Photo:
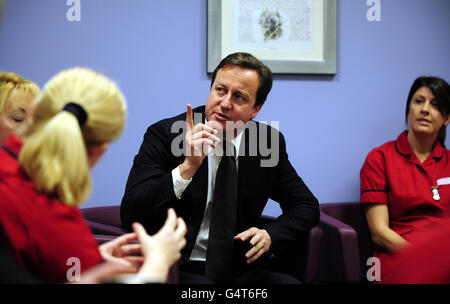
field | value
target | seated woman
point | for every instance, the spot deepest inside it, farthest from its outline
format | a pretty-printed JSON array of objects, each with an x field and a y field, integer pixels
[
  {"x": 79, "y": 113},
  {"x": 405, "y": 184},
  {"x": 16, "y": 99},
  {"x": 16, "y": 95}
]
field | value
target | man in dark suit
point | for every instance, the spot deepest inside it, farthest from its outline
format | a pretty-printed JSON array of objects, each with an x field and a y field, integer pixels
[{"x": 181, "y": 165}]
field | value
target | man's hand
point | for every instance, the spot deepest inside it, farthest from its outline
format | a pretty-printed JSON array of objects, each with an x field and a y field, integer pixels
[
  {"x": 259, "y": 240},
  {"x": 198, "y": 140}
]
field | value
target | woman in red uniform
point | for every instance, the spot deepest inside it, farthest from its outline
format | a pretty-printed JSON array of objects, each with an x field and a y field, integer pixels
[
  {"x": 16, "y": 99},
  {"x": 405, "y": 184},
  {"x": 44, "y": 180}
]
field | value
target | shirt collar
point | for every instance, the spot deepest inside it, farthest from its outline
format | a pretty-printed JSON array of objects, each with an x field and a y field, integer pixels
[
  {"x": 236, "y": 142},
  {"x": 404, "y": 149}
]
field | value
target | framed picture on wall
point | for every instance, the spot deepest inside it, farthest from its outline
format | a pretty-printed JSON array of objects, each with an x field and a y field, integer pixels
[
  {"x": 289, "y": 36},
  {"x": 1, "y": 11}
]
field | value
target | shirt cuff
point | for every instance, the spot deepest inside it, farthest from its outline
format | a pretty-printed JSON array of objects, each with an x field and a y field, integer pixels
[
  {"x": 179, "y": 184},
  {"x": 374, "y": 196}
]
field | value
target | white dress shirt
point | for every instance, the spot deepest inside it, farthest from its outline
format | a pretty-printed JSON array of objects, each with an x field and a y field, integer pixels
[{"x": 180, "y": 184}]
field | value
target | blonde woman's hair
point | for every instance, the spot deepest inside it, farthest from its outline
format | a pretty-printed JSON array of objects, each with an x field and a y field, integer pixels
[
  {"x": 54, "y": 155},
  {"x": 12, "y": 81}
]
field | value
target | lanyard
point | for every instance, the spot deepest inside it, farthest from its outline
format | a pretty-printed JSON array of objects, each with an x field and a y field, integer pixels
[{"x": 10, "y": 152}]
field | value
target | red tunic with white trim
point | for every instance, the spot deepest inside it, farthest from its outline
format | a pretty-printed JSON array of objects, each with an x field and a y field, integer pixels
[
  {"x": 417, "y": 194},
  {"x": 43, "y": 233}
]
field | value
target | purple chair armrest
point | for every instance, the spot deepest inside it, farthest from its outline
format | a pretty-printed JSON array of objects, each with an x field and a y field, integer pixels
[
  {"x": 313, "y": 255},
  {"x": 102, "y": 238},
  {"x": 107, "y": 215},
  {"x": 303, "y": 263},
  {"x": 102, "y": 229},
  {"x": 173, "y": 277},
  {"x": 349, "y": 249}
]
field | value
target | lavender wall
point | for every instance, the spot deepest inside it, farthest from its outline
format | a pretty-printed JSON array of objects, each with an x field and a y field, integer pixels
[{"x": 156, "y": 51}]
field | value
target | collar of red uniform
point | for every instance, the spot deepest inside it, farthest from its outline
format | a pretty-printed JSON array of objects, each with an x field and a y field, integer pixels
[
  {"x": 403, "y": 148},
  {"x": 13, "y": 144}
]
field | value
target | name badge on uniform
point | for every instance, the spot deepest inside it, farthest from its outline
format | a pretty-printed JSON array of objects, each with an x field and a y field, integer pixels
[
  {"x": 440, "y": 182},
  {"x": 443, "y": 181}
]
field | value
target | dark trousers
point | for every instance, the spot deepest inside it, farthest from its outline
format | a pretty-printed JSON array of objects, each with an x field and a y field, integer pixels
[{"x": 194, "y": 273}]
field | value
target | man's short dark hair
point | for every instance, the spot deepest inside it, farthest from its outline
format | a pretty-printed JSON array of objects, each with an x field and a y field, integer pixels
[{"x": 248, "y": 61}]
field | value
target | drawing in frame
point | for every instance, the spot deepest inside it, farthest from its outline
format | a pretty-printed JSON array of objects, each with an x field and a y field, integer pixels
[
  {"x": 1, "y": 12},
  {"x": 289, "y": 36}
]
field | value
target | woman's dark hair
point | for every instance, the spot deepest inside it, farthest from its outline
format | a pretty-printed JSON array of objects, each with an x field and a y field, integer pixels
[
  {"x": 441, "y": 91},
  {"x": 248, "y": 61}
]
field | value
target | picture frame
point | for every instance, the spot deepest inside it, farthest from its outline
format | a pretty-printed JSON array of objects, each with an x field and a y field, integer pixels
[
  {"x": 1, "y": 12},
  {"x": 289, "y": 36}
]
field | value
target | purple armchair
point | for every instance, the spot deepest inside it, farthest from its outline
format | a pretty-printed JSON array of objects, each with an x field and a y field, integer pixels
[
  {"x": 104, "y": 220},
  {"x": 347, "y": 243},
  {"x": 302, "y": 262}
]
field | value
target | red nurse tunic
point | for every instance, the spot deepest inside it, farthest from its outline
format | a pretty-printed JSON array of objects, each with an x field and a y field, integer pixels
[
  {"x": 417, "y": 194},
  {"x": 44, "y": 234}
]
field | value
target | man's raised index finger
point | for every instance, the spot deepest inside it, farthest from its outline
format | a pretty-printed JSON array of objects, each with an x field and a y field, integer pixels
[{"x": 189, "y": 117}]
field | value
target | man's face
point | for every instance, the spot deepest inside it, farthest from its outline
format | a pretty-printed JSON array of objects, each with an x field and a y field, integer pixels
[{"x": 232, "y": 97}]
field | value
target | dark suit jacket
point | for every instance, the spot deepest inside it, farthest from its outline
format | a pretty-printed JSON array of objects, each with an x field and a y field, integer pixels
[{"x": 149, "y": 190}]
